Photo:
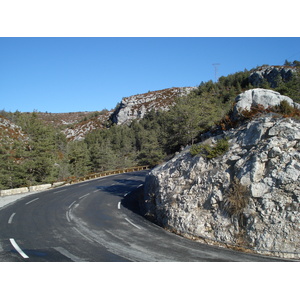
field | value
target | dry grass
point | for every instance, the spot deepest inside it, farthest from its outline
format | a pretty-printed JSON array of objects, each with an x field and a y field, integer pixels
[{"x": 236, "y": 199}]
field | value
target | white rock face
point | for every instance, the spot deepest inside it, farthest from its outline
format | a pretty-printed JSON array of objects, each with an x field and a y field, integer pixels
[
  {"x": 135, "y": 107},
  {"x": 255, "y": 97},
  {"x": 79, "y": 131},
  {"x": 189, "y": 195}
]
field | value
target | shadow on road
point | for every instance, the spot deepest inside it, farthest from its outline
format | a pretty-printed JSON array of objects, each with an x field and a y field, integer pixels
[
  {"x": 132, "y": 200},
  {"x": 135, "y": 184}
]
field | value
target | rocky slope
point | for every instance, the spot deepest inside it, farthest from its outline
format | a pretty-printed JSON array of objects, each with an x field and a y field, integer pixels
[
  {"x": 10, "y": 132},
  {"x": 61, "y": 119},
  {"x": 248, "y": 197},
  {"x": 79, "y": 130},
  {"x": 76, "y": 125},
  {"x": 271, "y": 75},
  {"x": 135, "y": 107}
]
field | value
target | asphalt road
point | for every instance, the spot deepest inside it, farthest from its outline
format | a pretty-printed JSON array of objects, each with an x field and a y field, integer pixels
[{"x": 90, "y": 221}]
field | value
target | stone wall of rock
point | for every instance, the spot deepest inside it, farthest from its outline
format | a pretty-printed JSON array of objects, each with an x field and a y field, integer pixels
[{"x": 199, "y": 197}]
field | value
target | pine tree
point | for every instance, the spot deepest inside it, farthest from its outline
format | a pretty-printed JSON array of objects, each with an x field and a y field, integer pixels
[{"x": 78, "y": 157}]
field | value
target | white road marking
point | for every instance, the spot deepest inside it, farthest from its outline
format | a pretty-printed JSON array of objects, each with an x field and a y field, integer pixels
[
  {"x": 66, "y": 253},
  {"x": 11, "y": 218},
  {"x": 84, "y": 236},
  {"x": 59, "y": 191},
  {"x": 83, "y": 184},
  {"x": 84, "y": 196},
  {"x": 132, "y": 224},
  {"x": 68, "y": 216},
  {"x": 119, "y": 205},
  {"x": 32, "y": 201},
  {"x": 15, "y": 245},
  {"x": 72, "y": 204}
]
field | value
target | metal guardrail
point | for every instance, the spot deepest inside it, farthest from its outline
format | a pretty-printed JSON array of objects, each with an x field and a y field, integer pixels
[
  {"x": 70, "y": 180},
  {"x": 106, "y": 173}
]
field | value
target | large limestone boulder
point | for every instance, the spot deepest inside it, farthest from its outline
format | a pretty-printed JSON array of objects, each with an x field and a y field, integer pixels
[
  {"x": 263, "y": 97},
  {"x": 196, "y": 197}
]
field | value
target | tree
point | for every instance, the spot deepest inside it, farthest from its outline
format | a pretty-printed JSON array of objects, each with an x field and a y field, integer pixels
[
  {"x": 147, "y": 136},
  {"x": 34, "y": 160},
  {"x": 287, "y": 63},
  {"x": 78, "y": 157},
  {"x": 190, "y": 116},
  {"x": 103, "y": 157}
]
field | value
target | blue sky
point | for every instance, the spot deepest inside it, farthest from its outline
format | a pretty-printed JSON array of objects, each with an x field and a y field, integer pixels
[{"x": 88, "y": 74}]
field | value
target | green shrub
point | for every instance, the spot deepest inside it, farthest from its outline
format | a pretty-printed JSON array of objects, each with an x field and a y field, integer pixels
[
  {"x": 209, "y": 151},
  {"x": 285, "y": 108},
  {"x": 196, "y": 149}
]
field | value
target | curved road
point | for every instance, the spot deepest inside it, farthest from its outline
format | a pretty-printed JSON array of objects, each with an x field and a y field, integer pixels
[{"x": 89, "y": 221}]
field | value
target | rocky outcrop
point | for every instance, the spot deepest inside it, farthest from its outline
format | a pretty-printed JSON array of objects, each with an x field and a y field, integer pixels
[
  {"x": 265, "y": 98},
  {"x": 247, "y": 197},
  {"x": 78, "y": 131},
  {"x": 272, "y": 75},
  {"x": 135, "y": 107}
]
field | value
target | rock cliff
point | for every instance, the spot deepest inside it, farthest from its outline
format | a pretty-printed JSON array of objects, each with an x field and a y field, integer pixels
[
  {"x": 135, "y": 107},
  {"x": 248, "y": 197},
  {"x": 271, "y": 74}
]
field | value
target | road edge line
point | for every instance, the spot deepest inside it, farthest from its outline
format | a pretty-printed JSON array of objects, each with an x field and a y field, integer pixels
[{"x": 16, "y": 246}]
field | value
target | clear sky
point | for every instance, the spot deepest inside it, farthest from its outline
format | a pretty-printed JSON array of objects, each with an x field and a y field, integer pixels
[{"x": 88, "y": 74}]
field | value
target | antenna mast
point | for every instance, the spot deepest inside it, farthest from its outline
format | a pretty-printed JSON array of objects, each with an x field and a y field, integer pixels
[{"x": 216, "y": 65}]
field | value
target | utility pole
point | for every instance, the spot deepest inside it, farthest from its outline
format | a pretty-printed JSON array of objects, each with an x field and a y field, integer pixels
[{"x": 216, "y": 71}]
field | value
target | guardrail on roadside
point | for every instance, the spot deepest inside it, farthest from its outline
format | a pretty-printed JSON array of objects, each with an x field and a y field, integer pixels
[
  {"x": 70, "y": 180},
  {"x": 106, "y": 173}
]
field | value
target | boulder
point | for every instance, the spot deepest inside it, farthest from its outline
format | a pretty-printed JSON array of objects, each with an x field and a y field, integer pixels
[{"x": 263, "y": 97}]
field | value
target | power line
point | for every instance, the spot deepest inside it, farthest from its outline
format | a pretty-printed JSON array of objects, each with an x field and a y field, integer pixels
[
  {"x": 293, "y": 55},
  {"x": 216, "y": 65}
]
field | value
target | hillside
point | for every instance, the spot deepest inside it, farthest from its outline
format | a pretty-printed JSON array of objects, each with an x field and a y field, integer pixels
[
  {"x": 76, "y": 125},
  {"x": 135, "y": 107},
  {"x": 61, "y": 119},
  {"x": 144, "y": 129},
  {"x": 10, "y": 132},
  {"x": 238, "y": 188}
]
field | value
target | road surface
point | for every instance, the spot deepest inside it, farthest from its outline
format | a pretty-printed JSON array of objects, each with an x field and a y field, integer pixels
[{"x": 91, "y": 222}]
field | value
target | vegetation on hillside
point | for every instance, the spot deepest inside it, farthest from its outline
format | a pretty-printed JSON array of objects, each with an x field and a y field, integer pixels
[{"x": 46, "y": 156}]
